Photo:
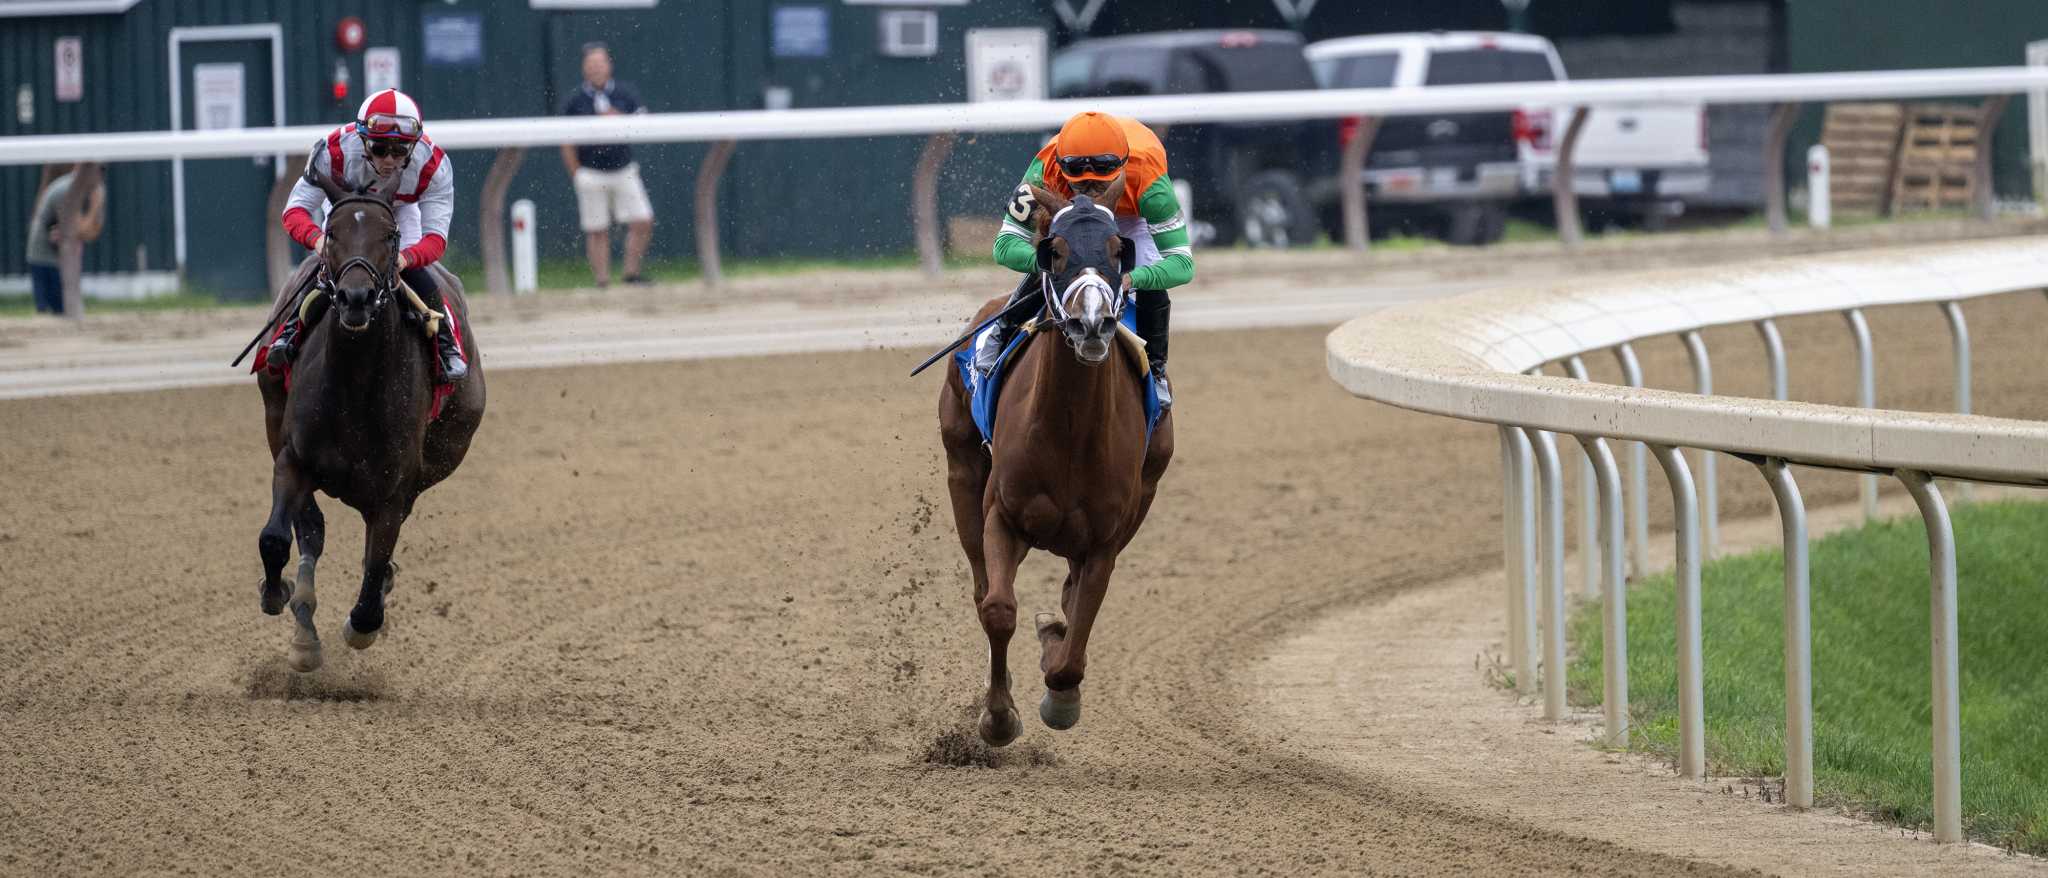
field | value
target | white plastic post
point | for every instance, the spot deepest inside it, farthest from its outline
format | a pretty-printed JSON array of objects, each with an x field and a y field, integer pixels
[
  {"x": 525, "y": 252},
  {"x": 1819, "y": 201}
]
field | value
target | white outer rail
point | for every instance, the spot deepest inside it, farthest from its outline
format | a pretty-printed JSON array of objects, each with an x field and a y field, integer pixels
[
  {"x": 1045, "y": 115},
  {"x": 940, "y": 123},
  {"x": 1468, "y": 358}
]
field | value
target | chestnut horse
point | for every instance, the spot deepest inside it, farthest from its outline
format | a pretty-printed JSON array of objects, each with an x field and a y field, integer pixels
[
  {"x": 356, "y": 417},
  {"x": 1070, "y": 469}
]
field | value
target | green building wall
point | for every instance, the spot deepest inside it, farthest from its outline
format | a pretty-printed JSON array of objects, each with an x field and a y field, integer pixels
[
  {"x": 824, "y": 198},
  {"x": 1833, "y": 35}
]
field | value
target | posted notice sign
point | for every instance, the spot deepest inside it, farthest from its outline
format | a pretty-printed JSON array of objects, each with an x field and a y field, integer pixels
[{"x": 70, "y": 69}]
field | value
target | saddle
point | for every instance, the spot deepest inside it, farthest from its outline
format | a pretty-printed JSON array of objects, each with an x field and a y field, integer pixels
[{"x": 983, "y": 391}]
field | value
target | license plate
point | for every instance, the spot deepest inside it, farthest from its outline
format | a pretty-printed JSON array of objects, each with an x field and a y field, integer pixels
[
  {"x": 1443, "y": 178},
  {"x": 1624, "y": 182}
]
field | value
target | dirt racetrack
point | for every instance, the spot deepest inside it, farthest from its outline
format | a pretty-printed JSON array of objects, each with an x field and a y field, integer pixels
[{"x": 711, "y": 617}]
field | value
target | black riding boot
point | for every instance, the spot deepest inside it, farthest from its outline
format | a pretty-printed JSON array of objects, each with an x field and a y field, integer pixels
[
  {"x": 985, "y": 354},
  {"x": 1154, "y": 314},
  {"x": 453, "y": 365},
  {"x": 286, "y": 348}
]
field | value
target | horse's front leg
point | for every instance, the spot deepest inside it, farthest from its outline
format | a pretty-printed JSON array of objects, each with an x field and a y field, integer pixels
[
  {"x": 1002, "y": 552},
  {"x": 366, "y": 620},
  {"x": 1066, "y": 651},
  {"x": 289, "y": 489},
  {"x": 311, "y": 527}
]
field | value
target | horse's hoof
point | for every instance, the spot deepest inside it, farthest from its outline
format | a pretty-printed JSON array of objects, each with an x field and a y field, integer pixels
[
  {"x": 1060, "y": 709},
  {"x": 357, "y": 637},
  {"x": 272, "y": 598},
  {"x": 999, "y": 732},
  {"x": 1049, "y": 625},
  {"x": 305, "y": 658}
]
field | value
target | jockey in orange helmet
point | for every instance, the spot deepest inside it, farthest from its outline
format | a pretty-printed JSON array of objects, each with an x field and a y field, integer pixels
[{"x": 1119, "y": 163}]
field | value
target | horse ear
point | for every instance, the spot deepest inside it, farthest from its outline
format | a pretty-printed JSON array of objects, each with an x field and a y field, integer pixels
[
  {"x": 334, "y": 191},
  {"x": 1052, "y": 254},
  {"x": 387, "y": 189},
  {"x": 1125, "y": 252},
  {"x": 1047, "y": 203}
]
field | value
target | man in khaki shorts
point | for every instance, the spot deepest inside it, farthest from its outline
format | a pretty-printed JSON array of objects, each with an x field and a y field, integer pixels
[{"x": 607, "y": 180}]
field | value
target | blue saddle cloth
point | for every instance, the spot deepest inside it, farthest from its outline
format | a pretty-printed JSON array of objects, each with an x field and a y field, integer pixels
[{"x": 983, "y": 392}]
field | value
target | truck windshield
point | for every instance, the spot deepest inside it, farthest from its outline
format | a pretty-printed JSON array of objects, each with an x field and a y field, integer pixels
[
  {"x": 1088, "y": 73},
  {"x": 1358, "y": 71},
  {"x": 1474, "y": 66}
]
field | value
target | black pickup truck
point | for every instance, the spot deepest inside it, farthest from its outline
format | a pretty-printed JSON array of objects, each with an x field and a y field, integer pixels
[{"x": 1264, "y": 183}]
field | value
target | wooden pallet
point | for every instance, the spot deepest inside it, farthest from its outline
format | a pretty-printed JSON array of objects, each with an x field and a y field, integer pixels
[
  {"x": 1937, "y": 158},
  {"x": 1863, "y": 145}
]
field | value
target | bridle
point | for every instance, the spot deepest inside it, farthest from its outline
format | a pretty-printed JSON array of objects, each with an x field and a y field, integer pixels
[
  {"x": 383, "y": 279},
  {"x": 1056, "y": 312}
]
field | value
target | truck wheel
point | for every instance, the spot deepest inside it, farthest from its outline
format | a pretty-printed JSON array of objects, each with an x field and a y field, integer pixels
[
  {"x": 1471, "y": 225},
  {"x": 1272, "y": 212}
]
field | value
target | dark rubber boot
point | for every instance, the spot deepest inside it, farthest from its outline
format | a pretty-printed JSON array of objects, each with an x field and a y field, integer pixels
[
  {"x": 1155, "y": 312},
  {"x": 284, "y": 349},
  {"x": 453, "y": 366}
]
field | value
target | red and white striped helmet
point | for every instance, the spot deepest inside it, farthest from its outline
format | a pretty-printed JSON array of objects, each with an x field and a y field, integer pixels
[{"x": 389, "y": 115}]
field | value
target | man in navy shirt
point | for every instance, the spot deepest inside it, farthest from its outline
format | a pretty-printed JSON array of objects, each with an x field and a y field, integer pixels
[{"x": 608, "y": 187}]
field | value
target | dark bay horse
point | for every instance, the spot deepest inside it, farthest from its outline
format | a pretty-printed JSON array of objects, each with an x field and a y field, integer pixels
[
  {"x": 1069, "y": 470},
  {"x": 355, "y": 419}
]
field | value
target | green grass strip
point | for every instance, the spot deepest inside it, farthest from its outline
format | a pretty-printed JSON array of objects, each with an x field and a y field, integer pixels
[{"x": 1872, "y": 681}]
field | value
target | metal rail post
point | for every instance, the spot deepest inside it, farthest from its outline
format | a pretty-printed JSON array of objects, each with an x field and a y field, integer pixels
[
  {"x": 1692, "y": 736},
  {"x": 1946, "y": 708},
  {"x": 1553, "y": 574},
  {"x": 924, "y": 201},
  {"x": 708, "y": 175},
  {"x": 1589, "y": 499},
  {"x": 1351, "y": 184},
  {"x": 1638, "y": 472},
  {"x": 1525, "y": 521},
  {"x": 1564, "y": 199},
  {"x": 491, "y": 221},
  {"x": 1774, "y": 353},
  {"x": 1866, "y": 396},
  {"x": 1614, "y": 613},
  {"x": 1959, "y": 333},
  {"x": 1798, "y": 635},
  {"x": 277, "y": 246},
  {"x": 1782, "y": 117},
  {"x": 1982, "y": 198},
  {"x": 1511, "y": 549},
  {"x": 1710, "y": 495}
]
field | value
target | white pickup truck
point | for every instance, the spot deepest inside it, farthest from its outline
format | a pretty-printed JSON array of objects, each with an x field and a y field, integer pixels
[{"x": 1635, "y": 162}]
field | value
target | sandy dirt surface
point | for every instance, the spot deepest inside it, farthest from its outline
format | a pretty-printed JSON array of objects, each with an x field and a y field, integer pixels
[{"x": 710, "y": 617}]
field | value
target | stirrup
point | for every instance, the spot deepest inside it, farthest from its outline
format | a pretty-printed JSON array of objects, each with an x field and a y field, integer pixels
[
  {"x": 453, "y": 366},
  {"x": 988, "y": 348},
  {"x": 284, "y": 349},
  {"x": 1158, "y": 372}
]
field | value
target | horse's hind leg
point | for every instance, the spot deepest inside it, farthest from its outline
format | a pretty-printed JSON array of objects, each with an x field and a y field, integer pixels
[
  {"x": 1066, "y": 652},
  {"x": 366, "y": 620},
  {"x": 288, "y": 492},
  {"x": 998, "y": 610},
  {"x": 311, "y": 528}
]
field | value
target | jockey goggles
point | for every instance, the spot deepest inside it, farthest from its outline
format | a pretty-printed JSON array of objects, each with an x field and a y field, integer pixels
[
  {"x": 1102, "y": 165},
  {"x": 386, "y": 125}
]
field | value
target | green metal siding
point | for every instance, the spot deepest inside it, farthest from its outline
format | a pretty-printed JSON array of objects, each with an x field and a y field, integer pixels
[
  {"x": 825, "y": 198},
  {"x": 1829, "y": 35}
]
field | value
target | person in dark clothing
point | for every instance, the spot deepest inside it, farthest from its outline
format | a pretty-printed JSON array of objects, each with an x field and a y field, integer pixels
[{"x": 607, "y": 180}]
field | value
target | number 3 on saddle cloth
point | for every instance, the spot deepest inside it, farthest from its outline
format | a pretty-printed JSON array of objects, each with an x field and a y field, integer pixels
[
  {"x": 443, "y": 388},
  {"x": 983, "y": 390}
]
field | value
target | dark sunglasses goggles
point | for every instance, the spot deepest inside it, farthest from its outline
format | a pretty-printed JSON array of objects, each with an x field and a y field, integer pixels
[{"x": 1091, "y": 164}]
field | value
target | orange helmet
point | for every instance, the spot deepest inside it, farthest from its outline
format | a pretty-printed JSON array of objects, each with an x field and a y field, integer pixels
[{"x": 1092, "y": 146}]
